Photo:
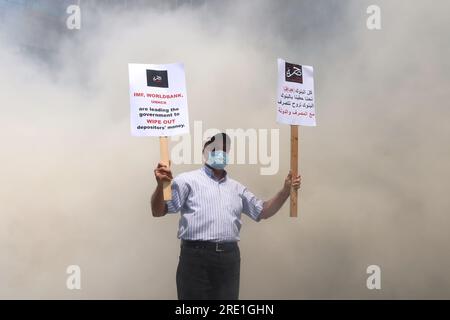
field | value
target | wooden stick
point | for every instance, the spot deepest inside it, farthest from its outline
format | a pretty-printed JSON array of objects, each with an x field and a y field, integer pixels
[
  {"x": 164, "y": 154},
  {"x": 294, "y": 168}
]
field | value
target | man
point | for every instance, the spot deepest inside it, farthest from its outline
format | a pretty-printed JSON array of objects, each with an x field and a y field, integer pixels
[{"x": 211, "y": 204}]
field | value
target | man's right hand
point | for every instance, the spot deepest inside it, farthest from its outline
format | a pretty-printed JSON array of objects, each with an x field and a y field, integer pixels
[{"x": 162, "y": 173}]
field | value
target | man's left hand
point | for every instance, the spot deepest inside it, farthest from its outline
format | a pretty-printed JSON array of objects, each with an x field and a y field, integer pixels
[{"x": 292, "y": 181}]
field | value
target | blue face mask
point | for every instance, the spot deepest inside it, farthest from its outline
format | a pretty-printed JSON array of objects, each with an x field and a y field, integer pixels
[{"x": 217, "y": 159}]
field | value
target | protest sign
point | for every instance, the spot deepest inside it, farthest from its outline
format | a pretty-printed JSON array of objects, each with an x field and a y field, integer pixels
[
  {"x": 295, "y": 106},
  {"x": 158, "y": 104}
]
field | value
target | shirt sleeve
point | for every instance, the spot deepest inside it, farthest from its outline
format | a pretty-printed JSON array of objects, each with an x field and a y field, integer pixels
[
  {"x": 180, "y": 191},
  {"x": 251, "y": 205}
]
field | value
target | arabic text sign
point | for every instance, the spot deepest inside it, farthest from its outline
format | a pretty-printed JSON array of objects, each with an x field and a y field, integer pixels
[
  {"x": 158, "y": 102},
  {"x": 295, "y": 94}
]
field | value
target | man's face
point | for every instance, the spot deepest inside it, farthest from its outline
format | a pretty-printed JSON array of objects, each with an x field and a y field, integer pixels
[
  {"x": 213, "y": 148},
  {"x": 218, "y": 144}
]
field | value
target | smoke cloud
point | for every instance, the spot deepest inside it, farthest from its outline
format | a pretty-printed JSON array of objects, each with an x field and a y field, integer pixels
[{"x": 76, "y": 185}]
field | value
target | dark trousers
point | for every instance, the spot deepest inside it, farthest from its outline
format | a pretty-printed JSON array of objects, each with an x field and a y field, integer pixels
[{"x": 206, "y": 272}]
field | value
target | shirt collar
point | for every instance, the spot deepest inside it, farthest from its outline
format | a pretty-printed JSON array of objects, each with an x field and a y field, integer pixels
[{"x": 210, "y": 173}]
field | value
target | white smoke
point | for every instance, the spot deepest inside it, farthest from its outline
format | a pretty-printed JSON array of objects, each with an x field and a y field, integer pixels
[{"x": 76, "y": 185}]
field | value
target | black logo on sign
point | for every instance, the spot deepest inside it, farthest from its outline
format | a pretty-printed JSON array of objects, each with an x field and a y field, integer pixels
[
  {"x": 157, "y": 78},
  {"x": 293, "y": 72}
]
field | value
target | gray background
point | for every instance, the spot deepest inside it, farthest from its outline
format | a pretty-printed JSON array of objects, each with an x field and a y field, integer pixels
[{"x": 375, "y": 172}]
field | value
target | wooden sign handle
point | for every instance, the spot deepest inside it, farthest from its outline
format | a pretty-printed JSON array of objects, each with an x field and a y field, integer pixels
[
  {"x": 294, "y": 168},
  {"x": 164, "y": 154}
]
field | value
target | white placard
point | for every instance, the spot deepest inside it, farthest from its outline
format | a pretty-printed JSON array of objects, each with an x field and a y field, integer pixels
[
  {"x": 295, "y": 94},
  {"x": 158, "y": 101}
]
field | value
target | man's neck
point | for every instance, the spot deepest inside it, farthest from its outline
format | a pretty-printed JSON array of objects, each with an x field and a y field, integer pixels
[{"x": 218, "y": 173}]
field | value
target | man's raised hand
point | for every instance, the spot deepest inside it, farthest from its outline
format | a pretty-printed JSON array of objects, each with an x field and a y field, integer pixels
[
  {"x": 162, "y": 173},
  {"x": 292, "y": 181}
]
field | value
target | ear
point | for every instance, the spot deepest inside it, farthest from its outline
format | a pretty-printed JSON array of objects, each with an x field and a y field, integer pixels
[{"x": 205, "y": 154}]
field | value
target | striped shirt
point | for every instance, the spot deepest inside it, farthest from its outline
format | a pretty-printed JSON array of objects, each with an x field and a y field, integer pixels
[{"x": 210, "y": 208}]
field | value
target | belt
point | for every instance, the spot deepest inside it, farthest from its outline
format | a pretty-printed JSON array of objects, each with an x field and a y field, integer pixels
[{"x": 216, "y": 246}]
